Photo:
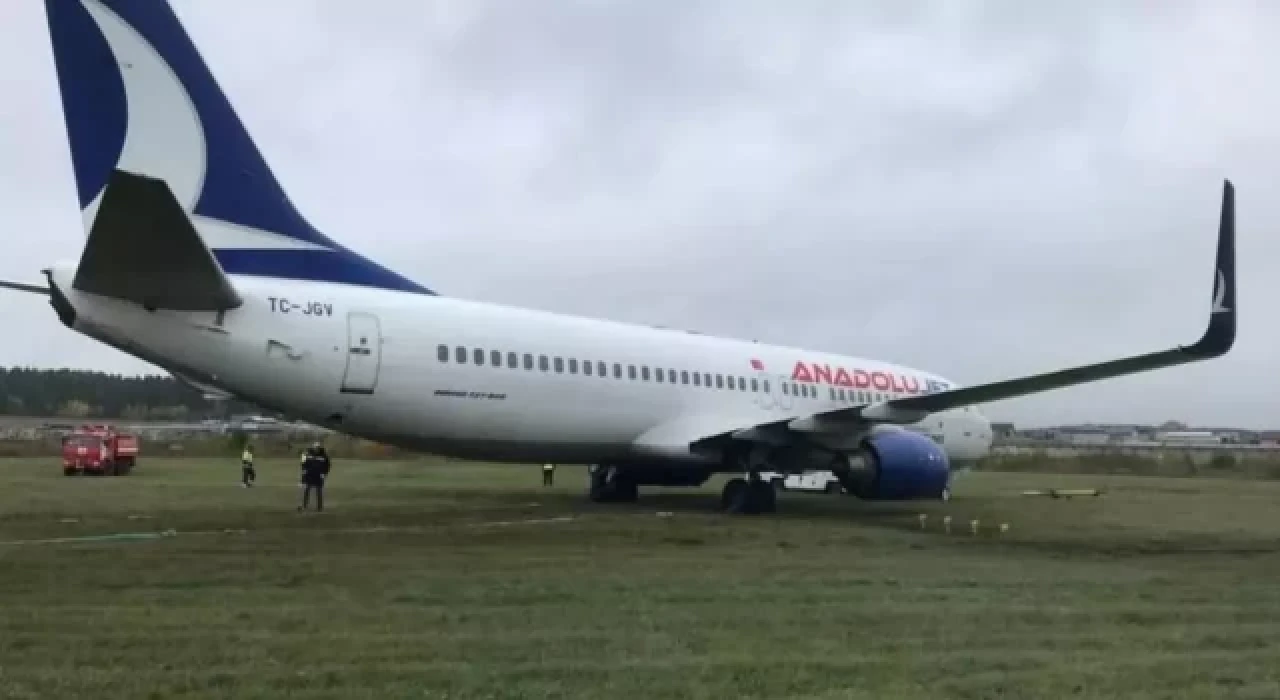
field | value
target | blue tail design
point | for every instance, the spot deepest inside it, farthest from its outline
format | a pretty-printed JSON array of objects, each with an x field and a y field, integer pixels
[{"x": 137, "y": 95}]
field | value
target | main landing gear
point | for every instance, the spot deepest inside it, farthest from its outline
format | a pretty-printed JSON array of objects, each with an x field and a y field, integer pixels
[
  {"x": 749, "y": 496},
  {"x": 612, "y": 484}
]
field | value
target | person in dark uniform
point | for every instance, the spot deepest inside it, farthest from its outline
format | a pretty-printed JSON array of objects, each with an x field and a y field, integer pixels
[
  {"x": 548, "y": 474},
  {"x": 315, "y": 468}
]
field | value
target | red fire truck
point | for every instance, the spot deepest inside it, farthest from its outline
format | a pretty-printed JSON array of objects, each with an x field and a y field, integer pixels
[{"x": 99, "y": 450}]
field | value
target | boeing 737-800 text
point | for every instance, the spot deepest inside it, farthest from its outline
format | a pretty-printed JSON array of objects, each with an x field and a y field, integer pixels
[{"x": 230, "y": 288}]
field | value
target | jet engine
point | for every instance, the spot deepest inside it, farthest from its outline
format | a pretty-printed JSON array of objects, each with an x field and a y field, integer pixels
[{"x": 899, "y": 465}]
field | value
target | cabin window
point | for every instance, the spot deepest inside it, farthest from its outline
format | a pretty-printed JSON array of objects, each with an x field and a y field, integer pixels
[
  {"x": 559, "y": 364},
  {"x": 706, "y": 379},
  {"x": 742, "y": 384},
  {"x": 544, "y": 363},
  {"x": 495, "y": 358},
  {"x": 658, "y": 374},
  {"x": 719, "y": 381},
  {"x": 755, "y": 385},
  {"x": 617, "y": 370},
  {"x": 460, "y": 354},
  {"x": 671, "y": 375},
  {"x": 833, "y": 393},
  {"x": 442, "y": 352},
  {"x": 587, "y": 368},
  {"x": 513, "y": 360},
  {"x": 573, "y": 365},
  {"x": 684, "y": 376},
  {"x": 479, "y": 356},
  {"x": 644, "y": 372},
  {"x": 631, "y": 371},
  {"x": 528, "y": 360},
  {"x": 697, "y": 379},
  {"x": 785, "y": 390},
  {"x": 765, "y": 382},
  {"x": 602, "y": 369}
]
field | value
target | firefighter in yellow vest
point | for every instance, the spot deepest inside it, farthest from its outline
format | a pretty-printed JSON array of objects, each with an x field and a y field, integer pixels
[{"x": 247, "y": 474}]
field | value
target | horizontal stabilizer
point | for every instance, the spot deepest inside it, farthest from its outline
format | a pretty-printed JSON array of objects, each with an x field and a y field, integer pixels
[
  {"x": 144, "y": 248},
  {"x": 20, "y": 287}
]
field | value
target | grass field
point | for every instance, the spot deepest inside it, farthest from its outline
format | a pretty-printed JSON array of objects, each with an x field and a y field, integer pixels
[{"x": 461, "y": 581}]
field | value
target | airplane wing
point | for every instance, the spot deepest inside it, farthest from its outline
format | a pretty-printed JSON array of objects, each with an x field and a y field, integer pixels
[{"x": 1216, "y": 341}]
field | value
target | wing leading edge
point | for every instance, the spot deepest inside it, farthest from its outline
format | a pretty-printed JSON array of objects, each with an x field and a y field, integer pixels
[{"x": 1217, "y": 340}]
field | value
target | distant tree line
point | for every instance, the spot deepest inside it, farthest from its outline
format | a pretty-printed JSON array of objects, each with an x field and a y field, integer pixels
[{"x": 81, "y": 394}]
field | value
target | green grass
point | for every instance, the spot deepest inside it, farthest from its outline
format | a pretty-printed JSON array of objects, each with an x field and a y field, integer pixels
[{"x": 412, "y": 587}]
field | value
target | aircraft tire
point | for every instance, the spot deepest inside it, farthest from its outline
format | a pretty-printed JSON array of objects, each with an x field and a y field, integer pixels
[
  {"x": 611, "y": 484},
  {"x": 742, "y": 497}
]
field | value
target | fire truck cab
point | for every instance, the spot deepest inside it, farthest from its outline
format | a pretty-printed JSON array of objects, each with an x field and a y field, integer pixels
[{"x": 98, "y": 450}]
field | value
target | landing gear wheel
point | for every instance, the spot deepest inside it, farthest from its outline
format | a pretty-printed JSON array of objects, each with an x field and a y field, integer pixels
[
  {"x": 612, "y": 484},
  {"x": 748, "y": 497}
]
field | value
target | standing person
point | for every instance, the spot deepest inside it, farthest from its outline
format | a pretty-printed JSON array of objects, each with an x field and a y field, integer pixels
[
  {"x": 247, "y": 474},
  {"x": 548, "y": 474},
  {"x": 315, "y": 468}
]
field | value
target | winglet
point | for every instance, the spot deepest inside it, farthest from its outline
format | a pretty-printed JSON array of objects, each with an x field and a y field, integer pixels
[{"x": 1221, "y": 333}]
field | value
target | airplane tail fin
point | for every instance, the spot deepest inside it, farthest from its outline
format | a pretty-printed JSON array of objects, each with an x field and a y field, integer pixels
[{"x": 138, "y": 97}]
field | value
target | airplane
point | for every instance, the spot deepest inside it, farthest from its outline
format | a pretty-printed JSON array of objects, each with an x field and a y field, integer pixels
[{"x": 229, "y": 288}]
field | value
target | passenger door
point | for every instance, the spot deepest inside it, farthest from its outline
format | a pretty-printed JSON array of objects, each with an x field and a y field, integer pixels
[{"x": 364, "y": 353}]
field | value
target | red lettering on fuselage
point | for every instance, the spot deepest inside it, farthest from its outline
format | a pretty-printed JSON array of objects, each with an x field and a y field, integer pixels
[
  {"x": 801, "y": 373},
  {"x": 842, "y": 378},
  {"x": 880, "y": 381},
  {"x": 856, "y": 379},
  {"x": 822, "y": 373}
]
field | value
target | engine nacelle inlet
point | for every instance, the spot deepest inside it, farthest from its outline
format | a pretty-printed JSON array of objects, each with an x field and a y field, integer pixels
[{"x": 899, "y": 465}]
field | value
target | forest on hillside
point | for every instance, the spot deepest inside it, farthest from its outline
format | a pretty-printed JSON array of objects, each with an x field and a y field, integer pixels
[{"x": 73, "y": 393}]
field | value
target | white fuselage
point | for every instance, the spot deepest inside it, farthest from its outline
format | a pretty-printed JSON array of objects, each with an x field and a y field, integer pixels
[{"x": 369, "y": 362}]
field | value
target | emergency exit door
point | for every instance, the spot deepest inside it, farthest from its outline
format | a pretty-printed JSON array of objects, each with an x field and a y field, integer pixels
[{"x": 364, "y": 353}]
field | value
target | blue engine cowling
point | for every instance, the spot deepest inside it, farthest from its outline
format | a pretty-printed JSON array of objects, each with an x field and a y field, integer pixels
[{"x": 901, "y": 466}]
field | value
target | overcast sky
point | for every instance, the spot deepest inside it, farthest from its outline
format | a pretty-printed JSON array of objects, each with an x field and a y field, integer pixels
[{"x": 980, "y": 189}]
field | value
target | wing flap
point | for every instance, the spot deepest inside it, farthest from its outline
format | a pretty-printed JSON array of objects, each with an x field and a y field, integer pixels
[{"x": 144, "y": 248}]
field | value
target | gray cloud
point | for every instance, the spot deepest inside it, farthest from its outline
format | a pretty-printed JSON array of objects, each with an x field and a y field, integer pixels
[{"x": 980, "y": 189}]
